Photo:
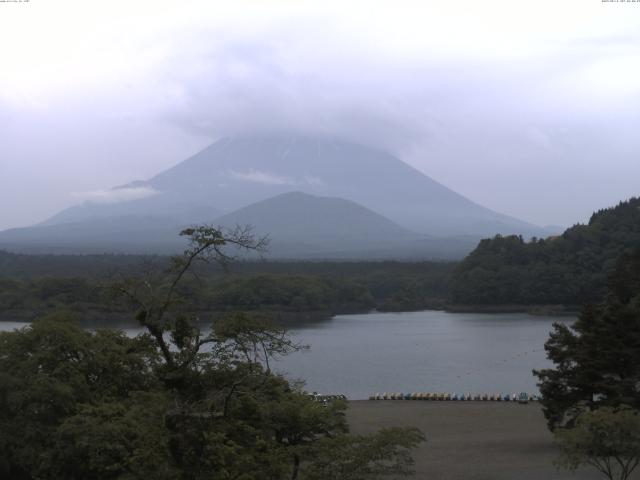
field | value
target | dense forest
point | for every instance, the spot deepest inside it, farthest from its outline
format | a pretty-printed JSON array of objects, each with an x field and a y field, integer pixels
[
  {"x": 31, "y": 286},
  {"x": 570, "y": 269}
]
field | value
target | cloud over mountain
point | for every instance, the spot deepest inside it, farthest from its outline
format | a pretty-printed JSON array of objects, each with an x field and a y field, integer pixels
[
  {"x": 115, "y": 195},
  {"x": 499, "y": 110}
]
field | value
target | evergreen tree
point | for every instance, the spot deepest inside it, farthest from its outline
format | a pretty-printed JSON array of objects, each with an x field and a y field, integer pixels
[
  {"x": 570, "y": 269},
  {"x": 597, "y": 359}
]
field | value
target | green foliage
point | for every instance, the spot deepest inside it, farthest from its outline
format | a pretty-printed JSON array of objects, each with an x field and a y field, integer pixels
[
  {"x": 290, "y": 294},
  {"x": 77, "y": 404},
  {"x": 349, "y": 457},
  {"x": 27, "y": 299},
  {"x": 567, "y": 270},
  {"x": 52, "y": 369},
  {"x": 607, "y": 439},
  {"x": 597, "y": 360},
  {"x": 117, "y": 439},
  {"x": 172, "y": 403}
]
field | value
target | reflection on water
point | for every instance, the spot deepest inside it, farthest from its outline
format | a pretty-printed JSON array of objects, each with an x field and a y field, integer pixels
[{"x": 358, "y": 355}]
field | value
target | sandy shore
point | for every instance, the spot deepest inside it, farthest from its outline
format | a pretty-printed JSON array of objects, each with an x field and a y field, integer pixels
[{"x": 471, "y": 440}]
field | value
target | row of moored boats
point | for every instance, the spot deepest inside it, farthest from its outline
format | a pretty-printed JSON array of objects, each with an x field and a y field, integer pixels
[{"x": 522, "y": 397}]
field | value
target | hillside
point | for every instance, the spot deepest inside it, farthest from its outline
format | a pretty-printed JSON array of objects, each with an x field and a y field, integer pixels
[
  {"x": 299, "y": 226},
  {"x": 298, "y": 215},
  {"x": 570, "y": 269},
  {"x": 307, "y": 226}
]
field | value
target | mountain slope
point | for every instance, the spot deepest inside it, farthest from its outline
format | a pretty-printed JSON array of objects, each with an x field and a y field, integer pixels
[
  {"x": 303, "y": 225},
  {"x": 235, "y": 172},
  {"x": 299, "y": 216},
  {"x": 299, "y": 226}
]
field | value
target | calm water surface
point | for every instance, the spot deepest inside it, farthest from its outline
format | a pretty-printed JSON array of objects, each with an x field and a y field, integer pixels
[{"x": 359, "y": 355}]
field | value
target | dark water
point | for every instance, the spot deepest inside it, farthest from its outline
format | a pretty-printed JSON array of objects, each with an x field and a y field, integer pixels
[{"x": 429, "y": 351}]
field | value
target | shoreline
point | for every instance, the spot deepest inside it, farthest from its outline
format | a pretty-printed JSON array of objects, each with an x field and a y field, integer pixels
[
  {"x": 94, "y": 319},
  {"x": 533, "y": 310}
]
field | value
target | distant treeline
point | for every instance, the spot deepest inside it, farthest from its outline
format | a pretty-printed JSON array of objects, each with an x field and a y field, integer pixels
[
  {"x": 570, "y": 269},
  {"x": 20, "y": 265},
  {"x": 81, "y": 284}
]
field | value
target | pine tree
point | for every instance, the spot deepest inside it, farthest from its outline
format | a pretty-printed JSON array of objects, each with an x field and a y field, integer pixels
[{"x": 597, "y": 359}]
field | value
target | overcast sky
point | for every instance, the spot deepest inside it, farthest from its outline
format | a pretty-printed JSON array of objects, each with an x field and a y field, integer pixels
[{"x": 531, "y": 108}]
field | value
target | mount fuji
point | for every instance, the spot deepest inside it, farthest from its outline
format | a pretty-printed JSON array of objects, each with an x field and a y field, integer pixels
[{"x": 216, "y": 184}]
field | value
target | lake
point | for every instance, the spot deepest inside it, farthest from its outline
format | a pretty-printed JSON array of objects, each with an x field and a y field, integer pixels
[{"x": 430, "y": 351}]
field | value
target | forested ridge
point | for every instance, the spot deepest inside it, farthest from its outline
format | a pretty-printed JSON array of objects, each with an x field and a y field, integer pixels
[
  {"x": 570, "y": 269},
  {"x": 31, "y": 286}
]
